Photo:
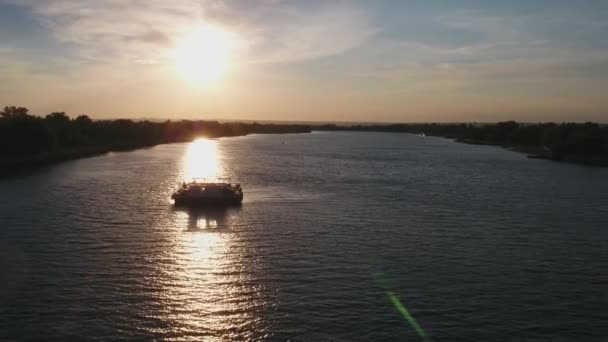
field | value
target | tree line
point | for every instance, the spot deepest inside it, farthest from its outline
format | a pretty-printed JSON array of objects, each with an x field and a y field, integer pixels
[
  {"x": 56, "y": 136},
  {"x": 23, "y": 134},
  {"x": 582, "y": 142}
]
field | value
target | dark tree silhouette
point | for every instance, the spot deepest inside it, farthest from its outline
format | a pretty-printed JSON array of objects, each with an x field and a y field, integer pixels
[
  {"x": 27, "y": 140},
  {"x": 584, "y": 143},
  {"x": 12, "y": 111}
]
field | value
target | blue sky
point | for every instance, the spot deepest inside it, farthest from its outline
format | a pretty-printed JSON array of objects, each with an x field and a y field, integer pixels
[{"x": 312, "y": 60}]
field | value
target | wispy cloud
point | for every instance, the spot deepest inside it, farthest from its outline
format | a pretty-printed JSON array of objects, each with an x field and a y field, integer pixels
[
  {"x": 507, "y": 50},
  {"x": 114, "y": 30},
  {"x": 324, "y": 31},
  {"x": 402, "y": 57},
  {"x": 269, "y": 31}
]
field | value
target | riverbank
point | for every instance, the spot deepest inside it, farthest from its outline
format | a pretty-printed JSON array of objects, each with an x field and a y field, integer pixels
[
  {"x": 13, "y": 166},
  {"x": 581, "y": 143},
  {"x": 20, "y": 164},
  {"x": 17, "y": 165},
  {"x": 29, "y": 142},
  {"x": 537, "y": 152}
]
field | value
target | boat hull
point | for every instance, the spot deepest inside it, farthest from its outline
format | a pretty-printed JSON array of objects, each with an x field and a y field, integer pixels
[
  {"x": 203, "y": 194},
  {"x": 206, "y": 202}
]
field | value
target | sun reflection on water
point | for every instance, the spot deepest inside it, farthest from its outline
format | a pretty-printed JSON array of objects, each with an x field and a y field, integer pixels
[
  {"x": 210, "y": 218},
  {"x": 208, "y": 294},
  {"x": 202, "y": 160}
]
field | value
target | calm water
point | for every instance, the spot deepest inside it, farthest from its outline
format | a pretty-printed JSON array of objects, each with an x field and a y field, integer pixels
[{"x": 478, "y": 243}]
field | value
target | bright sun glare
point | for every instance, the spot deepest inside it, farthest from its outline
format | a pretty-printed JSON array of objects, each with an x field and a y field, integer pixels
[
  {"x": 204, "y": 56},
  {"x": 202, "y": 160}
]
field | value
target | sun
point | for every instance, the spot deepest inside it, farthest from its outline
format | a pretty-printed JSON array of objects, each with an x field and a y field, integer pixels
[{"x": 204, "y": 56}]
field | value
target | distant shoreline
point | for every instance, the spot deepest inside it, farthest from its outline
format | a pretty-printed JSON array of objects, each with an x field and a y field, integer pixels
[
  {"x": 535, "y": 152},
  {"x": 28, "y": 142},
  {"x": 580, "y": 143},
  {"x": 29, "y": 163},
  {"x": 17, "y": 165},
  {"x": 20, "y": 164}
]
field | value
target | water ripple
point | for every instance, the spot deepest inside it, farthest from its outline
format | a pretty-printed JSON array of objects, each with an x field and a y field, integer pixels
[{"x": 480, "y": 244}]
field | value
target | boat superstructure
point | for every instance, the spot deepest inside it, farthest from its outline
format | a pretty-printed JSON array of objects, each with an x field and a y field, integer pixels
[{"x": 204, "y": 192}]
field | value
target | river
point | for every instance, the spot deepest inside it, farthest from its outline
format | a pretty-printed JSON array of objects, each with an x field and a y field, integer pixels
[{"x": 341, "y": 237}]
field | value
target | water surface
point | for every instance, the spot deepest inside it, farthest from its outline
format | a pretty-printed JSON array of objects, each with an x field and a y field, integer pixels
[{"x": 479, "y": 243}]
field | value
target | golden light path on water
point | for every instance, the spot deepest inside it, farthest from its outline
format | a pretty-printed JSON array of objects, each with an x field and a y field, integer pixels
[
  {"x": 202, "y": 160},
  {"x": 207, "y": 292}
]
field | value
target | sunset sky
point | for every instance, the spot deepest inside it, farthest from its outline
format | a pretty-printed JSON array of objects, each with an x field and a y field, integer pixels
[{"x": 542, "y": 60}]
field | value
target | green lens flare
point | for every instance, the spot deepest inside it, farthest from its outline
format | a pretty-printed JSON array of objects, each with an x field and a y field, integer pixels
[{"x": 406, "y": 314}]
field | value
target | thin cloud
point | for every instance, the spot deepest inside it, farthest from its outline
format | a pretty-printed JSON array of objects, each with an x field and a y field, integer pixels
[
  {"x": 270, "y": 31},
  {"x": 297, "y": 35},
  {"x": 151, "y": 37}
]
